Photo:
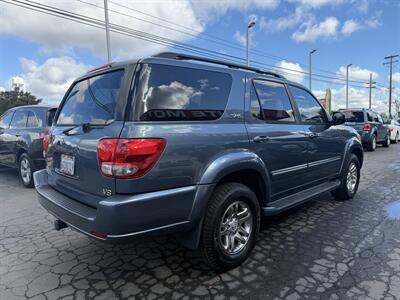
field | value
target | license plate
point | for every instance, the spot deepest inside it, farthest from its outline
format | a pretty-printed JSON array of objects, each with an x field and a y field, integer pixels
[{"x": 67, "y": 165}]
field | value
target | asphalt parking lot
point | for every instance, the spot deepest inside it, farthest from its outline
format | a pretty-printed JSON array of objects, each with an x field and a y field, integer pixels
[{"x": 322, "y": 250}]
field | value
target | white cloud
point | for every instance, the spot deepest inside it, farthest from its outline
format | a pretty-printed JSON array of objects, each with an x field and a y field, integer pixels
[
  {"x": 315, "y": 4},
  {"x": 310, "y": 32},
  {"x": 51, "y": 79},
  {"x": 56, "y": 34},
  {"x": 284, "y": 22},
  {"x": 240, "y": 38},
  {"x": 292, "y": 71},
  {"x": 2, "y": 89},
  {"x": 357, "y": 73},
  {"x": 59, "y": 34},
  {"x": 350, "y": 26},
  {"x": 207, "y": 10},
  {"x": 396, "y": 77}
]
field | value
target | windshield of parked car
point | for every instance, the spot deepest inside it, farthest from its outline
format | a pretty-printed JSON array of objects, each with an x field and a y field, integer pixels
[
  {"x": 353, "y": 116},
  {"x": 92, "y": 101}
]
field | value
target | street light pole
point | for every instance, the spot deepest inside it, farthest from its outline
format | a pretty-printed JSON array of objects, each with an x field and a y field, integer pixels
[
  {"x": 347, "y": 84},
  {"x": 249, "y": 26},
  {"x": 371, "y": 85},
  {"x": 309, "y": 66},
  {"x": 107, "y": 31},
  {"x": 390, "y": 61}
]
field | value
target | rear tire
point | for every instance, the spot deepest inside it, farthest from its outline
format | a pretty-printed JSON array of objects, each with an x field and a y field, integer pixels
[
  {"x": 372, "y": 146},
  {"x": 386, "y": 143},
  {"x": 26, "y": 170},
  {"x": 230, "y": 228},
  {"x": 396, "y": 139},
  {"x": 350, "y": 178}
]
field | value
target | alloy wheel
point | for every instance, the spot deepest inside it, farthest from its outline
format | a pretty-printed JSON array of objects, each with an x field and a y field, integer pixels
[
  {"x": 235, "y": 227},
  {"x": 25, "y": 170},
  {"x": 352, "y": 178}
]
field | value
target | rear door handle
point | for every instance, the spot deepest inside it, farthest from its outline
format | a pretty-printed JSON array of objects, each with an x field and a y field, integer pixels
[
  {"x": 18, "y": 134},
  {"x": 260, "y": 139}
]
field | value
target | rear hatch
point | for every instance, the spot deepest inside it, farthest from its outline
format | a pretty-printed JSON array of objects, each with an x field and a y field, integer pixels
[
  {"x": 86, "y": 115},
  {"x": 355, "y": 119}
]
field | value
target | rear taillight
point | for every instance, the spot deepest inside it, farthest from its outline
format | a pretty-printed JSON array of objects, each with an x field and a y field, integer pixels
[
  {"x": 45, "y": 142},
  {"x": 367, "y": 127},
  {"x": 128, "y": 158}
]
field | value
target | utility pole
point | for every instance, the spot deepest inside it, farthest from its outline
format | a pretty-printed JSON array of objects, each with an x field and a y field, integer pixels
[
  {"x": 390, "y": 61},
  {"x": 371, "y": 85},
  {"x": 249, "y": 26},
  {"x": 347, "y": 85},
  {"x": 309, "y": 66},
  {"x": 107, "y": 31}
]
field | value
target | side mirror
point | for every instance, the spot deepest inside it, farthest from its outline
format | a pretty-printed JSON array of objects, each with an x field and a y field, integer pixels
[{"x": 338, "y": 118}]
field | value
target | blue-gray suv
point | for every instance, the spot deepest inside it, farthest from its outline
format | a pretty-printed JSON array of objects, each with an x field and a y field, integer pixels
[{"x": 191, "y": 146}]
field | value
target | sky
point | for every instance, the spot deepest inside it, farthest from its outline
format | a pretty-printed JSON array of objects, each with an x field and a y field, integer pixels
[{"x": 48, "y": 52}]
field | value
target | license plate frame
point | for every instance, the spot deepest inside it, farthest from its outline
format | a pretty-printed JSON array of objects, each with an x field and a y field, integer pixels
[{"x": 67, "y": 165}]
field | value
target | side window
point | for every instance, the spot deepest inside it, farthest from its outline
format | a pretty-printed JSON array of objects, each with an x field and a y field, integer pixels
[
  {"x": 32, "y": 120},
  {"x": 369, "y": 116},
  {"x": 380, "y": 120},
  {"x": 274, "y": 101},
  {"x": 20, "y": 119},
  {"x": 310, "y": 109},
  {"x": 50, "y": 116},
  {"x": 92, "y": 100},
  {"x": 5, "y": 120},
  {"x": 171, "y": 93},
  {"x": 376, "y": 119}
]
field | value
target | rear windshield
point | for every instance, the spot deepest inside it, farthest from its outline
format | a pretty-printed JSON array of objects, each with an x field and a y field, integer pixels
[
  {"x": 92, "y": 100},
  {"x": 171, "y": 93},
  {"x": 353, "y": 116}
]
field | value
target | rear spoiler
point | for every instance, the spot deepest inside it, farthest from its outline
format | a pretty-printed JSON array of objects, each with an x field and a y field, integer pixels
[{"x": 105, "y": 66}]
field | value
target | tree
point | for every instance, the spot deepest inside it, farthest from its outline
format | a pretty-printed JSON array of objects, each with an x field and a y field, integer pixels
[{"x": 9, "y": 99}]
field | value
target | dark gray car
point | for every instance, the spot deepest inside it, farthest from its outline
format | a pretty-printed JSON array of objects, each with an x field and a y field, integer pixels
[
  {"x": 369, "y": 124},
  {"x": 22, "y": 130},
  {"x": 191, "y": 146}
]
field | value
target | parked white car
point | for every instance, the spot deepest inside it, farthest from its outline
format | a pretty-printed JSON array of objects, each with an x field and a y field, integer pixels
[{"x": 394, "y": 128}]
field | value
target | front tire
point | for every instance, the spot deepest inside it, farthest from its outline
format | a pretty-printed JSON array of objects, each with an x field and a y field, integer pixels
[
  {"x": 350, "y": 179},
  {"x": 26, "y": 170},
  {"x": 230, "y": 226}
]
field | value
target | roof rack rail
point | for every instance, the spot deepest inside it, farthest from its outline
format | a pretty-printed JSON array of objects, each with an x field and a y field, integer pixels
[{"x": 179, "y": 56}]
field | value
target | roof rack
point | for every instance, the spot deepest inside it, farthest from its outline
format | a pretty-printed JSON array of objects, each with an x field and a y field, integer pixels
[{"x": 179, "y": 56}]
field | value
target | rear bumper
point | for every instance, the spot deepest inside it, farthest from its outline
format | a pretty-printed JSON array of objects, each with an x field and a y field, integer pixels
[{"x": 121, "y": 218}]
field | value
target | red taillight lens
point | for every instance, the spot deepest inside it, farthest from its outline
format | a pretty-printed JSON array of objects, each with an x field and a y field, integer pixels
[
  {"x": 128, "y": 158},
  {"x": 367, "y": 127},
  {"x": 45, "y": 136}
]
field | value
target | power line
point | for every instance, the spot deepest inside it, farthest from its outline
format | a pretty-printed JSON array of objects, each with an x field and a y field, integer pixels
[
  {"x": 217, "y": 40},
  {"x": 46, "y": 9}
]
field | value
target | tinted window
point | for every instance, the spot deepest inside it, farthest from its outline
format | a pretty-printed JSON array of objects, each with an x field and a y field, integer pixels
[
  {"x": 19, "y": 120},
  {"x": 274, "y": 101},
  {"x": 369, "y": 116},
  {"x": 92, "y": 100},
  {"x": 50, "y": 116},
  {"x": 32, "y": 120},
  {"x": 5, "y": 120},
  {"x": 170, "y": 93},
  {"x": 309, "y": 108},
  {"x": 353, "y": 116}
]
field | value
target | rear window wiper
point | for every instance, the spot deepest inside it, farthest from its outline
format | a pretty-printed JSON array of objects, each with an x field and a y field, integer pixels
[{"x": 86, "y": 127}]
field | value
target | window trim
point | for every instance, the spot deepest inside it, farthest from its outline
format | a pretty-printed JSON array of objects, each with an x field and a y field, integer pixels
[
  {"x": 263, "y": 120},
  {"x": 300, "y": 121},
  {"x": 86, "y": 77}
]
